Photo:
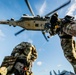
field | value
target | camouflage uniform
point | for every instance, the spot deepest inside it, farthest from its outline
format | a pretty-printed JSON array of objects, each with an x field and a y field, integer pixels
[
  {"x": 68, "y": 25},
  {"x": 68, "y": 44},
  {"x": 66, "y": 31},
  {"x": 25, "y": 49},
  {"x": 69, "y": 48},
  {"x": 25, "y": 53},
  {"x": 70, "y": 28}
]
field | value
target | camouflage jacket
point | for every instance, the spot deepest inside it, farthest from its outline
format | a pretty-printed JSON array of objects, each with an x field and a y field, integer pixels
[
  {"x": 70, "y": 28},
  {"x": 25, "y": 49}
]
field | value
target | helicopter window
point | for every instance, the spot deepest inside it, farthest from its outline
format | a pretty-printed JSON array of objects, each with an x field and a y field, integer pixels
[
  {"x": 41, "y": 25},
  {"x": 28, "y": 24},
  {"x": 36, "y": 25}
]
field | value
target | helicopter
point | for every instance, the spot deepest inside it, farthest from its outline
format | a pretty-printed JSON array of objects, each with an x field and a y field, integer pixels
[{"x": 35, "y": 23}]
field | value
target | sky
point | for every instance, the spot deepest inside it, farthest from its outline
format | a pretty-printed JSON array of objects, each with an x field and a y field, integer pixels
[{"x": 50, "y": 54}]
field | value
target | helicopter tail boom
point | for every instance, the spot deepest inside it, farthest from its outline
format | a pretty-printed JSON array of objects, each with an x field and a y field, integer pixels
[{"x": 13, "y": 23}]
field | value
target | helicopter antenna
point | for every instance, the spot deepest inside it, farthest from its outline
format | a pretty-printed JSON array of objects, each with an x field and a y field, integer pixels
[
  {"x": 65, "y": 4},
  {"x": 28, "y": 4}
]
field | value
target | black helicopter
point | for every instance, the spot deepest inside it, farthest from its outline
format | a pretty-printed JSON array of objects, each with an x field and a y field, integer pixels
[{"x": 35, "y": 23}]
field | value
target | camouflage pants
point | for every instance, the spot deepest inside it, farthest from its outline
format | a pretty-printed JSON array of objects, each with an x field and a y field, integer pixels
[{"x": 69, "y": 49}]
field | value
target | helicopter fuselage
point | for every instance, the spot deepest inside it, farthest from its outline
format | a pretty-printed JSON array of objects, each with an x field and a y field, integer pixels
[
  {"x": 32, "y": 23},
  {"x": 28, "y": 22}
]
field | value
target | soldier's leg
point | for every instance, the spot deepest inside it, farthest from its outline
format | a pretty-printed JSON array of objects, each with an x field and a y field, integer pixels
[
  {"x": 69, "y": 49},
  {"x": 74, "y": 54}
]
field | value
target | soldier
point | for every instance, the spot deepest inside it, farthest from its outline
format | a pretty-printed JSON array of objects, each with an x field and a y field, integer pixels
[
  {"x": 25, "y": 53},
  {"x": 25, "y": 49},
  {"x": 69, "y": 48},
  {"x": 65, "y": 30},
  {"x": 67, "y": 24}
]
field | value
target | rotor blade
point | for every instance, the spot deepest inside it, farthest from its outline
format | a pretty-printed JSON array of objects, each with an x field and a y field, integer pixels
[
  {"x": 28, "y": 4},
  {"x": 19, "y": 32},
  {"x": 65, "y": 4},
  {"x": 45, "y": 36}
]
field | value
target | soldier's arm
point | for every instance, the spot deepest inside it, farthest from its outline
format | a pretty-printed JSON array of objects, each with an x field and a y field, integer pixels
[
  {"x": 70, "y": 28},
  {"x": 68, "y": 25},
  {"x": 34, "y": 53}
]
